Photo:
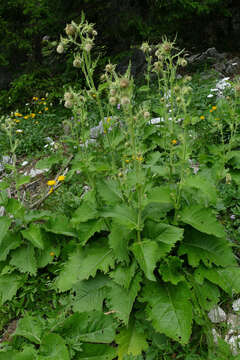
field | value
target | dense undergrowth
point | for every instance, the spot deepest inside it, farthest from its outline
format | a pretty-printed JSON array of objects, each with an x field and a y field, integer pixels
[{"x": 135, "y": 239}]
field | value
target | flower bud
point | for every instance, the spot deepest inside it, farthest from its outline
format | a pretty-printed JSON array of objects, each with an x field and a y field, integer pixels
[
  {"x": 60, "y": 49},
  {"x": 146, "y": 114},
  {"x": 68, "y": 96},
  {"x": 112, "y": 100},
  {"x": 68, "y": 104},
  {"x": 237, "y": 88},
  {"x": 182, "y": 62},
  {"x": 112, "y": 92},
  {"x": 94, "y": 33},
  {"x": 125, "y": 100},
  {"x": 166, "y": 47},
  {"x": 145, "y": 47},
  {"x": 77, "y": 62},
  {"x": 109, "y": 67},
  {"x": 88, "y": 46},
  {"x": 70, "y": 30},
  {"x": 124, "y": 83}
]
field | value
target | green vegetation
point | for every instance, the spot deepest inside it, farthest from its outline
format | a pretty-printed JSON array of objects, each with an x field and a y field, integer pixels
[{"x": 133, "y": 236}]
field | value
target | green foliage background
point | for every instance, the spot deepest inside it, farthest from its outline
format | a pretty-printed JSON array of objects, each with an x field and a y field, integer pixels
[{"x": 24, "y": 26}]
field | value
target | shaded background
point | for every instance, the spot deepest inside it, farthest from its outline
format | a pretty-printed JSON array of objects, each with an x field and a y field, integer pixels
[{"x": 28, "y": 29}]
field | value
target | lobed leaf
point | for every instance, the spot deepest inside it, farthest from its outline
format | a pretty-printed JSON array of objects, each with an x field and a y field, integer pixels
[
  {"x": 131, "y": 341},
  {"x": 206, "y": 248},
  {"x": 203, "y": 220},
  {"x": 169, "y": 309}
]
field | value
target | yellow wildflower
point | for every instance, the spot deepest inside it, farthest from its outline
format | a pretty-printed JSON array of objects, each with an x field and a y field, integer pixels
[
  {"x": 211, "y": 110},
  {"x": 43, "y": 99},
  {"x": 52, "y": 253},
  {"x": 51, "y": 182},
  {"x": 174, "y": 142},
  {"x": 127, "y": 161},
  {"x": 26, "y": 117},
  {"x": 40, "y": 112},
  {"x": 17, "y": 120},
  {"x": 108, "y": 119},
  {"x": 139, "y": 158},
  {"x": 46, "y": 108},
  {"x": 33, "y": 115},
  {"x": 214, "y": 108},
  {"x": 202, "y": 117},
  {"x": 61, "y": 178}
]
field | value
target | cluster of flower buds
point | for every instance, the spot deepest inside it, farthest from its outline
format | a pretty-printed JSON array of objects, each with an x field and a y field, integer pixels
[
  {"x": 86, "y": 33},
  {"x": 120, "y": 90},
  {"x": 146, "y": 47}
]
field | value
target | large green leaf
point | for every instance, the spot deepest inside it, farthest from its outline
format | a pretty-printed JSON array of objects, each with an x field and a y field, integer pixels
[
  {"x": 34, "y": 235},
  {"x": 46, "y": 256},
  {"x": 90, "y": 294},
  {"x": 9, "y": 284},
  {"x": 84, "y": 263},
  {"x": 169, "y": 309},
  {"x": 60, "y": 224},
  {"x": 207, "y": 189},
  {"x": 30, "y": 328},
  {"x": 94, "y": 327},
  {"x": 28, "y": 353},
  {"x": 123, "y": 215},
  {"x": 227, "y": 278},
  {"x": 131, "y": 341},
  {"x": 203, "y": 220},
  {"x": 118, "y": 241},
  {"x": 86, "y": 230},
  {"x": 162, "y": 195},
  {"x": 5, "y": 223},
  {"x": 24, "y": 259},
  {"x": 146, "y": 253},
  {"x": 206, "y": 248},
  {"x": 53, "y": 348},
  {"x": 10, "y": 242},
  {"x": 165, "y": 235},
  {"x": 123, "y": 275},
  {"x": 121, "y": 300},
  {"x": 207, "y": 294},
  {"x": 97, "y": 352},
  {"x": 109, "y": 191},
  {"x": 85, "y": 212}
]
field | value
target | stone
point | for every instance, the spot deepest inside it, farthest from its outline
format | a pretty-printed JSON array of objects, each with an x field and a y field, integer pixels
[
  {"x": 236, "y": 305},
  {"x": 138, "y": 63},
  {"x": 217, "y": 315}
]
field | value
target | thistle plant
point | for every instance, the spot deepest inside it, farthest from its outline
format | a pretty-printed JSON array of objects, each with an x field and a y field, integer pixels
[{"x": 143, "y": 257}]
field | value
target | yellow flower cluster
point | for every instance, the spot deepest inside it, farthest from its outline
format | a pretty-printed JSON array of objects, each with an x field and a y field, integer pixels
[{"x": 51, "y": 183}]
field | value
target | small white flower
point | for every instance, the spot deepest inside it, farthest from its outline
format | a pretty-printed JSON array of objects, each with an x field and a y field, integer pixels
[
  {"x": 210, "y": 95},
  {"x": 236, "y": 305},
  {"x": 19, "y": 131},
  {"x": 234, "y": 64}
]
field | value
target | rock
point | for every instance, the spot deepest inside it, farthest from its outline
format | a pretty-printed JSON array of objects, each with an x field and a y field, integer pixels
[
  {"x": 236, "y": 305},
  {"x": 138, "y": 63},
  {"x": 35, "y": 172},
  {"x": 219, "y": 61},
  {"x": 217, "y": 315}
]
